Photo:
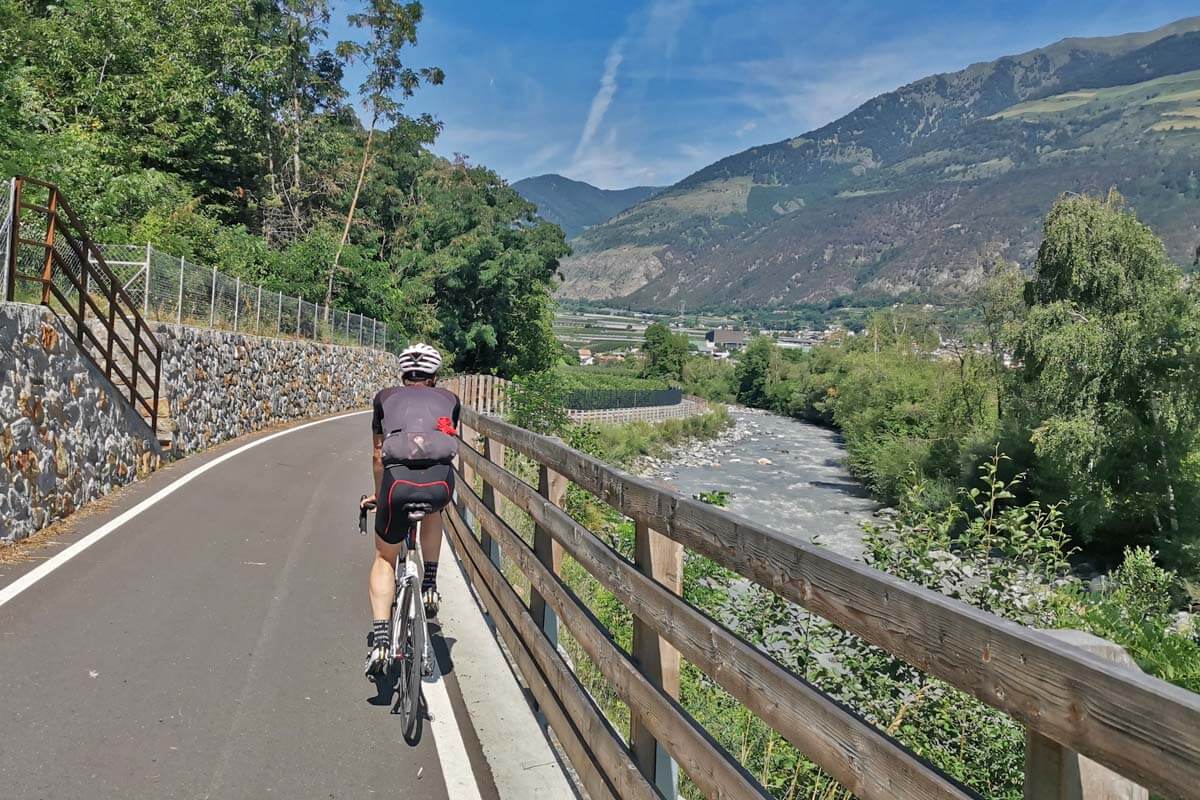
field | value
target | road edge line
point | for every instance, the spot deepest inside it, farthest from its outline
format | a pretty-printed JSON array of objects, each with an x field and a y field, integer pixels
[
  {"x": 29, "y": 579},
  {"x": 448, "y": 738}
]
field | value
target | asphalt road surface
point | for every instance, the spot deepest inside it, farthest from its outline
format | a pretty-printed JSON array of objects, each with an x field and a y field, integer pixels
[{"x": 211, "y": 646}]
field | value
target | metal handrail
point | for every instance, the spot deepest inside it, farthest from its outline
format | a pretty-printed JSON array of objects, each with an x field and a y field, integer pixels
[{"x": 98, "y": 294}]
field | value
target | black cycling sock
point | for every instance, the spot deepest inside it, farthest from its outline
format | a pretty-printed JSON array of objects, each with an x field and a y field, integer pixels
[
  {"x": 430, "y": 579},
  {"x": 379, "y": 633}
]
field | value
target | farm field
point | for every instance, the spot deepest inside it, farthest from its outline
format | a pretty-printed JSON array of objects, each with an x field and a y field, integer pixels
[{"x": 605, "y": 331}]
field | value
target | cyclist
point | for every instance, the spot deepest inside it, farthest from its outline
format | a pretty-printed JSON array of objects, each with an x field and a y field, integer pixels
[{"x": 413, "y": 429}]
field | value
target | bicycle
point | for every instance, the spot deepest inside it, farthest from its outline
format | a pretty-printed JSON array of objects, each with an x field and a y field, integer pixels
[{"x": 410, "y": 657}]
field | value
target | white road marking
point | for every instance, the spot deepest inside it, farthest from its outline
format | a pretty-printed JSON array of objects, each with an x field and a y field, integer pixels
[
  {"x": 35, "y": 575},
  {"x": 456, "y": 765}
]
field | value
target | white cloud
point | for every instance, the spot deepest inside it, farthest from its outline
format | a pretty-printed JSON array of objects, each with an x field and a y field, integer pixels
[
  {"x": 745, "y": 128},
  {"x": 651, "y": 34},
  {"x": 603, "y": 97}
]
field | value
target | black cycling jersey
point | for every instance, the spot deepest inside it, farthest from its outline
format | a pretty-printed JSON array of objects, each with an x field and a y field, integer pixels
[{"x": 419, "y": 424}]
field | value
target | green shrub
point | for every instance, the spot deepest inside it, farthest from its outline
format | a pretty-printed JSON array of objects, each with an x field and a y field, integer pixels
[{"x": 535, "y": 402}]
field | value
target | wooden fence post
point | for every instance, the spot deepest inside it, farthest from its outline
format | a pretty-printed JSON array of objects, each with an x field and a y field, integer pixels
[
  {"x": 553, "y": 487},
  {"x": 493, "y": 451},
  {"x": 661, "y": 559},
  {"x": 1055, "y": 772}
]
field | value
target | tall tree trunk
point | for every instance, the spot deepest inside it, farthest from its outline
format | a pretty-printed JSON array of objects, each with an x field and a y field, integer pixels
[
  {"x": 362, "y": 171},
  {"x": 295, "y": 157}
]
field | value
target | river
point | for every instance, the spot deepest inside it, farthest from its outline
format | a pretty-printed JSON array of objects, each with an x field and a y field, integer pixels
[{"x": 802, "y": 490}]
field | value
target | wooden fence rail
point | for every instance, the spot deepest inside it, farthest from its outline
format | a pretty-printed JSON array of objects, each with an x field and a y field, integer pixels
[{"x": 1139, "y": 726}]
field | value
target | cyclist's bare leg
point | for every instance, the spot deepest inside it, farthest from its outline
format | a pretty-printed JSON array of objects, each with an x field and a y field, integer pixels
[
  {"x": 431, "y": 547},
  {"x": 431, "y": 536},
  {"x": 382, "y": 588},
  {"x": 383, "y": 578}
]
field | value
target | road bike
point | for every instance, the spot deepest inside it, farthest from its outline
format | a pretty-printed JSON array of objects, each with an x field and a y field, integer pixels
[{"x": 410, "y": 656}]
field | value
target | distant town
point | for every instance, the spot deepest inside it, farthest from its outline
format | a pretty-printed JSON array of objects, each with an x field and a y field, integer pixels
[{"x": 610, "y": 337}]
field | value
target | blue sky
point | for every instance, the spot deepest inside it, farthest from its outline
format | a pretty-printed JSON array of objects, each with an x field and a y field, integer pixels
[{"x": 630, "y": 92}]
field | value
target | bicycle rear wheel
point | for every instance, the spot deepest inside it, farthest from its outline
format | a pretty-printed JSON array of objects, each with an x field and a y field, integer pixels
[{"x": 410, "y": 648}]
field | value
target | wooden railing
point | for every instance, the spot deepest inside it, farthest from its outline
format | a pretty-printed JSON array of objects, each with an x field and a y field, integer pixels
[
  {"x": 485, "y": 393},
  {"x": 53, "y": 261},
  {"x": 1138, "y": 726}
]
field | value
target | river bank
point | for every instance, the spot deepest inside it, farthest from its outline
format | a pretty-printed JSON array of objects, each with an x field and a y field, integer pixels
[{"x": 781, "y": 472}]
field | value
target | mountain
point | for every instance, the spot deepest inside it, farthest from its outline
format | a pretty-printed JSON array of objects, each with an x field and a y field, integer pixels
[
  {"x": 575, "y": 205},
  {"x": 918, "y": 190}
]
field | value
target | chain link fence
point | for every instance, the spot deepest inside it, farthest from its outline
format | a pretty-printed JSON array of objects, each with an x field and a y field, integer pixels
[{"x": 171, "y": 289}]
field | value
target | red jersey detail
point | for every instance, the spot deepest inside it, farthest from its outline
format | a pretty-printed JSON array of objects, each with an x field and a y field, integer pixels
[{"x": 446, "y": 425}]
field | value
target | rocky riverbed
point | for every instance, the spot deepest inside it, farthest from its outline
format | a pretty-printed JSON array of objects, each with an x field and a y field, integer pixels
[{"x": 781, "y": 472}]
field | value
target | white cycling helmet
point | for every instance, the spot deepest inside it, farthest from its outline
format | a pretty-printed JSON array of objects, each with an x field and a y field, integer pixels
[{"x": 421, "y": 359}]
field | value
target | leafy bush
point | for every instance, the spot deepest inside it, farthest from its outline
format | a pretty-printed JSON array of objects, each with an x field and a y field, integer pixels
[
  {"x": 1136, "y": 609},
  {"x": 711, "y": 379},
  {"x": 535, "y": 402}
]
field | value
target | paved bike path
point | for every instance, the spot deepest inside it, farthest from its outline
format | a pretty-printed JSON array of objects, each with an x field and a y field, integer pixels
[{"x": 211, "y": 646}]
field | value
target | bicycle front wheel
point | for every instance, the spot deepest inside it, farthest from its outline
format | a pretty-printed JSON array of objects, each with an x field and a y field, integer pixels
[{"x": 410, "y": 647}]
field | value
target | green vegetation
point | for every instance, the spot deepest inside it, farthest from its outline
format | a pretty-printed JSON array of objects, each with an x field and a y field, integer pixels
[
  {"x": 221, "y": 132},
  {"x": 1103, "y": 411},
  {"x": 623, "y": 444},
  {"x": 665, "y": 353},
  {"x": 1110, "y": 382}
]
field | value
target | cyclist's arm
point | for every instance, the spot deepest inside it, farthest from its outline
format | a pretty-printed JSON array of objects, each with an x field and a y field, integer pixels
[
  {"x": 376, "y": 444},
  {"x": 377, "y": 460}
]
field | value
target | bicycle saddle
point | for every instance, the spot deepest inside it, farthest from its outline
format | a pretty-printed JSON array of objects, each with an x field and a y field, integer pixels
[{"x": 415, "y": 511}]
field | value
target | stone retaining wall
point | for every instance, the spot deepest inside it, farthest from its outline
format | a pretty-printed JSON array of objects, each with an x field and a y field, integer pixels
[
  {"x": 220, "y": 385},
  {"x": 66, "y": 437}
]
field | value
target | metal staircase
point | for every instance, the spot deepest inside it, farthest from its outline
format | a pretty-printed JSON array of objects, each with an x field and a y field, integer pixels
[{"x": 52, "y": 261}]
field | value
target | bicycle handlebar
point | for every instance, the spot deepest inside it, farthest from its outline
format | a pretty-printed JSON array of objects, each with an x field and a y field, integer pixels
[{"x": 363, "y": 508}]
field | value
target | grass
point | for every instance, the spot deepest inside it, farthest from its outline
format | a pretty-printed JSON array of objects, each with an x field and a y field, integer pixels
[
  {"x": 1181, "y": 88},
  {"x": 624, "y": 444},
  {"x": 1176, "y": 125},
  {"x": 1047, "y": 105}
]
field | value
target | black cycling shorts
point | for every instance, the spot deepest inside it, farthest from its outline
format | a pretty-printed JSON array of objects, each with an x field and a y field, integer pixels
[{"x": 403, "y": 485}]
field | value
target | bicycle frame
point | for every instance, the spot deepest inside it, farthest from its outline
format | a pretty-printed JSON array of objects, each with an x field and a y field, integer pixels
[{"x": 410, "y": 566}]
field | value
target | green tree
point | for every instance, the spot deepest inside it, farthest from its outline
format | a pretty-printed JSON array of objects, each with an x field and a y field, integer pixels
[
  {"x": 489, "y": 265},
  {"x": 1003, "y": 304},
  {"x": 665, "y": 351},
  {"x": 388, "y": 84},
  {"x": 1110, "y": 377},
  {"x": 757, "y": 365}
]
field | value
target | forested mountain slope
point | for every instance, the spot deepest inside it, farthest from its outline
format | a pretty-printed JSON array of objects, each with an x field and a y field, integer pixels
[
  {"x": 918, "y": 190},
  {"x": 574, "y": 205}
]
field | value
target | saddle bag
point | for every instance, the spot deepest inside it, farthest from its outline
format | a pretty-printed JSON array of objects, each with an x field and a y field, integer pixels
[{"x": 419, "y": 448}]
